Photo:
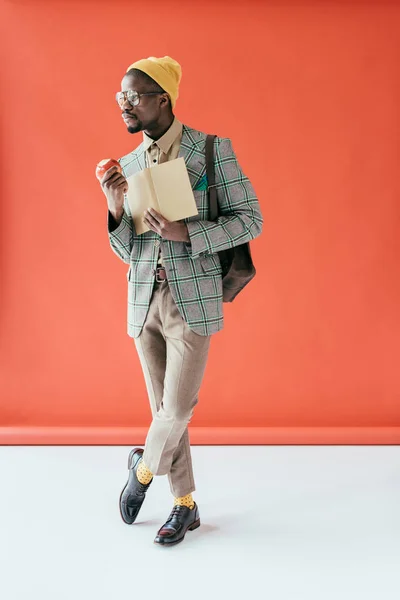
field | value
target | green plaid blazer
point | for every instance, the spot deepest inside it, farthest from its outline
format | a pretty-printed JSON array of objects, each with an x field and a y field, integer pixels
[{"x": 193, "y": 269}]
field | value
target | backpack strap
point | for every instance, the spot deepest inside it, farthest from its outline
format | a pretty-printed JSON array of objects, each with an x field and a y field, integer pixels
[{"x": 210, "y": 171}]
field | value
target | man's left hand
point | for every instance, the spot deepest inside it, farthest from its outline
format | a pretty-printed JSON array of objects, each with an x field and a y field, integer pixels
[{"x": 176, "y": 231}]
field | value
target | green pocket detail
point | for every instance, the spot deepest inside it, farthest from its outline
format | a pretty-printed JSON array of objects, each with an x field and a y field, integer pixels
[{"x": 202, "y": 184}]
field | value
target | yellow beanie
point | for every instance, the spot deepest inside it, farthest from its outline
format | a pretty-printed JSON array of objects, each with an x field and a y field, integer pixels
[{"x": 165, "y": 71}]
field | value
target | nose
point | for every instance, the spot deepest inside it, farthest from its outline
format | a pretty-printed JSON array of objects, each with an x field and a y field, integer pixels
[
  {"x": 123, "y": 101},
  {"x": 125, "y": 104}
]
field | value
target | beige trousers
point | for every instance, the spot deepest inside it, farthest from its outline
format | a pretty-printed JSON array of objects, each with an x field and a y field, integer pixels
[{"x": 173, "y": 359}]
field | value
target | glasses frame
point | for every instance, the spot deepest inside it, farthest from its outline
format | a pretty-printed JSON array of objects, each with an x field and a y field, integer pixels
[{"x": 137, "y": 97}]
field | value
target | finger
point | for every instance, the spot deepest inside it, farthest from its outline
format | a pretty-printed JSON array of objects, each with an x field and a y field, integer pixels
[
  {"x": 114, "y": 181},
  {"x": 150, "y": 225},
  {"x": 151, "y": 219},
  {"x": 122, "y": 185},
  {"x": 114, "y": 177},
  {"x": 156, "y": 215},
  {"x": 108, "y": 174}
]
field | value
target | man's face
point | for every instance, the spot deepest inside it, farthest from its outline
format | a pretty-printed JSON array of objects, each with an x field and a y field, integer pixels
[{"x": 147, "y": 113}]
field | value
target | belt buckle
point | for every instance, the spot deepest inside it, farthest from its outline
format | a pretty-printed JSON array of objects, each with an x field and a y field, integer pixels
[{"x": 158, "y": 269}]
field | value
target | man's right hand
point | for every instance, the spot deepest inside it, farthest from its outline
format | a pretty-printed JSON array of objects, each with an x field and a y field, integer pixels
[{"x": 114, "y": 186}]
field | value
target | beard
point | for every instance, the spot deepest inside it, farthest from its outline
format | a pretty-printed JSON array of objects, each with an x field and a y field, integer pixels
[
  {"x": 139, "y": 125},
  {"x": 135, "y": 128}
]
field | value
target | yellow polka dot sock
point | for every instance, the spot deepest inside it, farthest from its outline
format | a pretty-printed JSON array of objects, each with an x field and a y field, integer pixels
[
  {"x": 143, "y": 473},
  {"x": 185, "y": 501}
]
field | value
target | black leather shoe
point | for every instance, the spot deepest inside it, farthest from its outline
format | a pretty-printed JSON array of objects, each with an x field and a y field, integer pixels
[
  {"x": 179, "y": 521},
  {"x": 134, "y": 492}
]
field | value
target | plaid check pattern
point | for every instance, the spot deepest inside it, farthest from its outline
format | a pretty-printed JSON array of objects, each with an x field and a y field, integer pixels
[{"x": 193, "y": 269}]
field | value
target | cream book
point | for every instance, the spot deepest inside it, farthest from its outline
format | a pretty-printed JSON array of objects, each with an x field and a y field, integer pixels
[{"x": 166, "y": 188}]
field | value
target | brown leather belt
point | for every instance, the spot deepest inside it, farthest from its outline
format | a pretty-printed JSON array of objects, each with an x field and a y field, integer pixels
[{"x": 160, "y": 274}]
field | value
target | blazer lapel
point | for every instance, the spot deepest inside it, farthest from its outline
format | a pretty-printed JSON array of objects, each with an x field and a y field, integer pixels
[
  {"x": 133, "y": 162},
  {"x": 191, "y": 150},
  {"x": 193, "y": 157}
]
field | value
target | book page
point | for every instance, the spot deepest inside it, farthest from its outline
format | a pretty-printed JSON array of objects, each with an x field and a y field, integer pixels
[
  {"x": 141, "y": 196},
  {"x": 173, "y": 190}
]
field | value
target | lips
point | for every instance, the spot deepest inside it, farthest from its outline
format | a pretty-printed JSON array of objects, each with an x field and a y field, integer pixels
[{"x": 125, "y": 116}]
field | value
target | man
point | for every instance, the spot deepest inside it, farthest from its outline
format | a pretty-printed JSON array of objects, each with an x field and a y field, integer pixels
[{"x": 174, "y": 280}]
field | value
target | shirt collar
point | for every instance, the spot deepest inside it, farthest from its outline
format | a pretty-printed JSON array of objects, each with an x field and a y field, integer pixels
[{"x": 165, "y": 142}]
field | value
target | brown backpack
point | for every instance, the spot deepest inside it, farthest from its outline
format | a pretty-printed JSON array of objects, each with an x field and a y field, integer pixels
[{"x": 236, "y": 262}]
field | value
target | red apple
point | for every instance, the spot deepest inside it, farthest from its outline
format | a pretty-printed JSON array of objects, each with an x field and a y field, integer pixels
[{"x": 106, "y": 164}]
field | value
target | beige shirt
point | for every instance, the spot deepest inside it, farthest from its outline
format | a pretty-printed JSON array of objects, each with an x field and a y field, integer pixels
[{"x": 166, "y": 148}]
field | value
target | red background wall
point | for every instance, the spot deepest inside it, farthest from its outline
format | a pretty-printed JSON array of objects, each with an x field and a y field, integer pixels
[{"x": 309, "y": 94}]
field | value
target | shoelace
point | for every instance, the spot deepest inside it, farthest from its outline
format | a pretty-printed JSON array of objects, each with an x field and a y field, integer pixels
[
  {"x": 175, "y": 511},
  {"x": 142, "y": 487}
]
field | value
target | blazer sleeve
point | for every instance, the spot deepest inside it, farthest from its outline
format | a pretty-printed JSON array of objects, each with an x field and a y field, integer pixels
[
  {"x": 240, "y": 218},
  {"x": 121, "y": 236}
]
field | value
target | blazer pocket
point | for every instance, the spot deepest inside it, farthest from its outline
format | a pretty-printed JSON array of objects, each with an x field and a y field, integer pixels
[
  {"x": 211, "y": 264},
  {"x": 201, "y": 183}
]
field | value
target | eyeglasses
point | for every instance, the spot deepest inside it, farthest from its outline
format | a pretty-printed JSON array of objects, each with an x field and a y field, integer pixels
[{"x": 132, "y": 97}]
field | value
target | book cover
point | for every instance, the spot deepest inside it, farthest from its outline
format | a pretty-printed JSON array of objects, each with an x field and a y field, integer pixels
[{"x": 166, "y": 188}]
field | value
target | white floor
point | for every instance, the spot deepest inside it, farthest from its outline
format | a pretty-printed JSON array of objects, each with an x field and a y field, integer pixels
[{"x": 278, "y": 522}]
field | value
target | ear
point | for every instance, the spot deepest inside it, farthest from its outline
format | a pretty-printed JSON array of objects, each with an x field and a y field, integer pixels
[{"x": 165, "y": 100}]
